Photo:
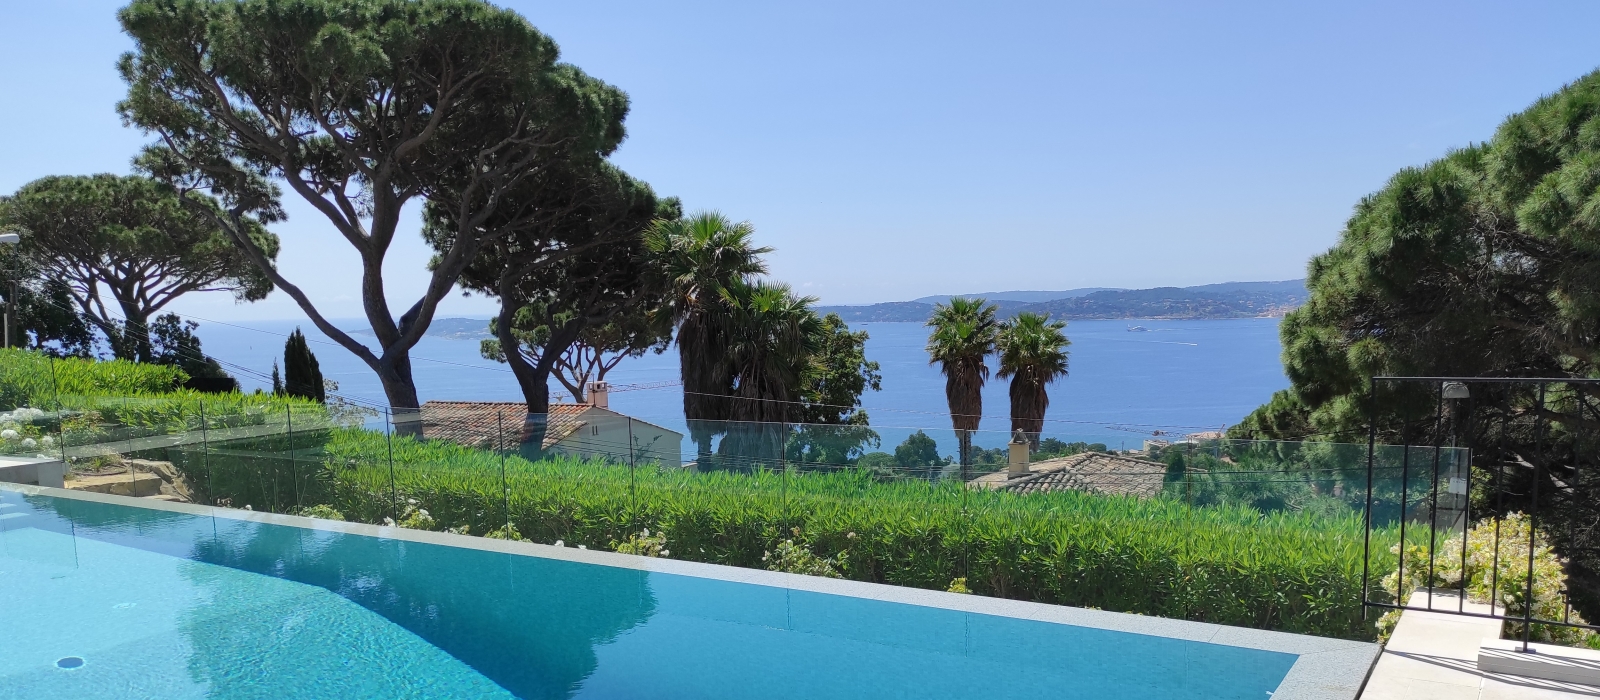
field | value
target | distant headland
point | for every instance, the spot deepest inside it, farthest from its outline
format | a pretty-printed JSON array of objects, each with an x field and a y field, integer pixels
[{"x": 1208, "y": 301}]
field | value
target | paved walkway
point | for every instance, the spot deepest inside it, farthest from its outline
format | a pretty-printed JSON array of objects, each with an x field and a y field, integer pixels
[{"x": 1434, "y": 656}]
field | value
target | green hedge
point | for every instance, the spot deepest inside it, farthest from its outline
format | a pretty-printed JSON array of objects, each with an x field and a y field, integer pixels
[
  {"x": 1288, "y": 571},
  {"x": 29, "y": 378}
]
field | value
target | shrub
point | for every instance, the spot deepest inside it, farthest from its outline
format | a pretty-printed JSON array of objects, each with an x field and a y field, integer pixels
[
  {"x": 792, "y": 558},
  {"x": 504, "y": 532},
  {"x": 1508, "y": 582},
  {"x": 1292, "y": 571},
  {"x": 320, "y": 511},
  {"x": 644, "y": 544},
  {"x": 31, "y": 378}
]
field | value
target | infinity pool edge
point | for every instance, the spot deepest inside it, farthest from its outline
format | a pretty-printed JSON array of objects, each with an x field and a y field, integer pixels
[{"x": 1326, "y": 669}]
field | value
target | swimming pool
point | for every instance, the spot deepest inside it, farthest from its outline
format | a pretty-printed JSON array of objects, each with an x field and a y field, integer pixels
[{"x": 109, "y": 597}]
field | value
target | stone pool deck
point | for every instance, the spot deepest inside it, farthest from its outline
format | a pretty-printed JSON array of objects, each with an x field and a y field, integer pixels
[{"x": 1434, "y": 656}]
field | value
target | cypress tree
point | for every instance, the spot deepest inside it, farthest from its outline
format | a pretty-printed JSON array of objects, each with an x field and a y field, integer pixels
[
  {"x": 302, "y": 376},
  {"x": 277, "y": 380}
]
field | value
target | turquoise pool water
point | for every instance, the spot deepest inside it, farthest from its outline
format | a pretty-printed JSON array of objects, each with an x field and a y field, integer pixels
[{"x": 171, "y": 605}]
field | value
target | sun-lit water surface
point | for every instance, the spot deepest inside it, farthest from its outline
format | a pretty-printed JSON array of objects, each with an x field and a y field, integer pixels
[{"x": 168, "y": 605}]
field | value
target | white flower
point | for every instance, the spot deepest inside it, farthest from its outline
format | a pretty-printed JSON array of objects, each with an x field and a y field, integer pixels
[
  {"x": 29, "y": 443},
  {"x": 8, "y": 434},
  {"x": 47, "y": 441},
  {"x": 560, "y": 543},
  {"x": 666, "y": 552},
  {"x": 388, "y": 522}
]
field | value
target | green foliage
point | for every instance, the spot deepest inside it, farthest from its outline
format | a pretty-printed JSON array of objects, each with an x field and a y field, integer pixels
[
  {"x": 31, "y": 378},
  {"x": 1033, "y": 353},
  {"x": 1230, "y": 564},
  {"x": 773, "y": 337},
  {"x": 47, "y": 317},
  {"x": 505, "y": 532},
  {"x": 1052, "y": 448},
  {"x": 302, "y": 375},
  {"x": 694, "y": 260},
  {"x": 1480, "y": 263},
  {"x": 877, "y": 461},
  {"x": 138, "y": 240},
  {"x": 319, "y": 511},
  {"x": 1508, "y": 582},
  {"x": 173, "y": 342},
  {"x": 958, "y": 585},
  {"x": 992, "y": 458},
  {"x": 834, "y": 445},
  {"x": 417, "y": 519},
  {"x": 363, "y": 107},
  {"x": 792, "y": 558},
  {"x": 839, "y": 373},
  {"x": 577, "y": 315},
  {"x": 644, "y": 544},
  {"x": 964, "y": 333},
  {"x": 918, "y": 450}
]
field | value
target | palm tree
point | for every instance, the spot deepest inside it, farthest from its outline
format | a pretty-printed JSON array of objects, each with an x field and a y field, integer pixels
[
  {"x": 772, "y": 336},
  {"x": 963, "y": 335},
  {"x": 1033, "y": 353},
  {"x": 695, "y": 259}
]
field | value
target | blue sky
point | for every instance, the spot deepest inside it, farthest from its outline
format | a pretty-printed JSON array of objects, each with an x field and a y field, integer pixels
[{"x": 895, "y": 150}]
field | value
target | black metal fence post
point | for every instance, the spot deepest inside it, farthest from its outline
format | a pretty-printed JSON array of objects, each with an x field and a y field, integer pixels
[
  {"x": 1433, "y": 494},
  {"x": 1366, "y": 530},
  {"x": 1533, "y": 512},
  {"x": 1405, "y": 497}
]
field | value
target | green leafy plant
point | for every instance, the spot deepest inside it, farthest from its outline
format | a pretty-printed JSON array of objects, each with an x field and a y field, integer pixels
[
  {"x": 504, "y": 532},
  {"x": 1507, "y": 583},
  {"x": 320, "y": 511},
  {"x": 644, "y": 544},
  {"x": 792, "y": 558}
]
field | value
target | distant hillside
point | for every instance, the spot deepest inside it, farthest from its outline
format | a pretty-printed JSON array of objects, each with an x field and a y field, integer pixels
[
  {"x": 1025, "y": 297},
  {"x": 1176, "y": 303},
  {"x": 450, "y": 329},
  {"x": 1227, "y": 300}
]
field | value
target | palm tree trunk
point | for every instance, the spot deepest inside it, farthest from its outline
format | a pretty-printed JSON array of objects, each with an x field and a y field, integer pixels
[{"x": 1028, "y": 403}]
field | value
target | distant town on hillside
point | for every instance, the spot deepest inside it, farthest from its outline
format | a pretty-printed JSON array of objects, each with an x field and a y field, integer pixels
[{"x": 1208, "y": 301}]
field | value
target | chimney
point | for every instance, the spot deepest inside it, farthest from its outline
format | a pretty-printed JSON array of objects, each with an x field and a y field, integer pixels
[
  {"x": 599, "y": 394},
  {"x": 1017, "y": 465}
]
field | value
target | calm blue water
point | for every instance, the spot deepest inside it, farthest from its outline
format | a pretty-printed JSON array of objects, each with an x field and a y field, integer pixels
[
  {"x": 166, "y": 605},
  {"x": 1180, "y": 377}
]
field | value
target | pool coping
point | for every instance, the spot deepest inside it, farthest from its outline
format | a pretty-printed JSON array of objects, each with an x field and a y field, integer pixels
[{"x": 1327, "y": 669}]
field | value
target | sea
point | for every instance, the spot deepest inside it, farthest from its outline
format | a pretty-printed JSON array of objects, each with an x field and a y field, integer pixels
[{"x": 1128, "y": 380}]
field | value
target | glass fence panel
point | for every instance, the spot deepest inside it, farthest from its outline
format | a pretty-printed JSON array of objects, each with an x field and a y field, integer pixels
[{"x": 1186, "y": 529}]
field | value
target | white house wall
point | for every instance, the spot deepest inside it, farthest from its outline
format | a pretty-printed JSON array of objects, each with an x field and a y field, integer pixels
[{"x": 605, "y": 435}]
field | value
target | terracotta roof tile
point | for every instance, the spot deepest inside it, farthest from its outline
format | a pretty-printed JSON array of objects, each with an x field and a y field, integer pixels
[
  {"x": 1095, "y": 472},
  {"x": 484, "y": 424}
]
